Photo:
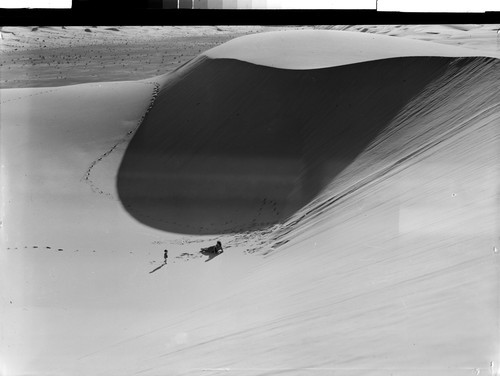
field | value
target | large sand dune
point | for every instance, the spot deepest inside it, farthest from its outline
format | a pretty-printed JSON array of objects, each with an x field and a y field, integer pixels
[
  {"x": 231, "y": 146},
  {"x": 253, "y": 143},
  {"x": 357, "y": 200}
]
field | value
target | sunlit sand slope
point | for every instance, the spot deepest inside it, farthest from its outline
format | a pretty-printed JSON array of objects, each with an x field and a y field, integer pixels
[{"x": 378, "y": 180}]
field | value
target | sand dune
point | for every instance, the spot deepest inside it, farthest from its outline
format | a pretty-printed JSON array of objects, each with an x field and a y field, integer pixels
[
  {"x": 230, "y": 146},
  {"x": 401, "y": 153},
  {"x": 58, "y": 56},
  {"x": 356, "y": 199},
  {"x": 313, "y": 49},
  {"x": 232, "y": 134},
  {"x": 481, "y": 38}
]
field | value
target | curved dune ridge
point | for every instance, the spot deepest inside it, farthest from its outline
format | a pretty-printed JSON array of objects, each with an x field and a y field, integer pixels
[
  {"x": 313, "y": 49},
  {"x": 234, "y": 142}
]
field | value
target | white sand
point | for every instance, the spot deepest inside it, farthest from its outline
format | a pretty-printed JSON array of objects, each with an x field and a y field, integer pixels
[{"x": 390, "y": 270}]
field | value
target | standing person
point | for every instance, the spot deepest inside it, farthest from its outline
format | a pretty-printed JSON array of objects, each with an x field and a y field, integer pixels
[{"x": 165, "y": 255}]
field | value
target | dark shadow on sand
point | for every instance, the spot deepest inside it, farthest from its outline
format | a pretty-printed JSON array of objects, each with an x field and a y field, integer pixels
[
  {"x": 231, "y": 146},
  {"x": 158, "y": 268},
  {"x": 211, "y": 255}
]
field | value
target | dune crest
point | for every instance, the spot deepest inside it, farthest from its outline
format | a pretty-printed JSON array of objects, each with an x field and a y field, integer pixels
[{"x": 314, "y": 49}]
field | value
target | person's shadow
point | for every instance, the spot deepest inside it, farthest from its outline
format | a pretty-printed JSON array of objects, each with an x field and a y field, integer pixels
[
  {"x": 211, "y": 255},
  {"x": 158, "y": 268}
]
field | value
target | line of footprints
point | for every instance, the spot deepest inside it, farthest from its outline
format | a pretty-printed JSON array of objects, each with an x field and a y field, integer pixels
[
  {"x": 87, "y": 178},
  {"x": 41, "y": 247},
  {"x": 29, "y": 95},
  {"x": 266, "y": 204},
  {"x": 254, "y": 240},
  {"x": 185, "y": 256}
]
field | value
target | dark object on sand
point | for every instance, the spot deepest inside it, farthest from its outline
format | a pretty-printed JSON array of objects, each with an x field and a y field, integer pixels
[
  {"x": 217, "y": 249},
  {"x": 165, "y": 255}
]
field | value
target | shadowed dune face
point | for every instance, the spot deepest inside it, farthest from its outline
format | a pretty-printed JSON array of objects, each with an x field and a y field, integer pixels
[{"x": 231, "y": 146}]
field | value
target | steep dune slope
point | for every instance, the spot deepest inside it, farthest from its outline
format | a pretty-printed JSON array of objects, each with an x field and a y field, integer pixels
[
  {"x": 390, "y": 263},
  {"x": 460, "y": 103},
  {"x": 391, "y": 270},
  {"x": 231, "y": 146},
  {"x": 255, "y": 143}
]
